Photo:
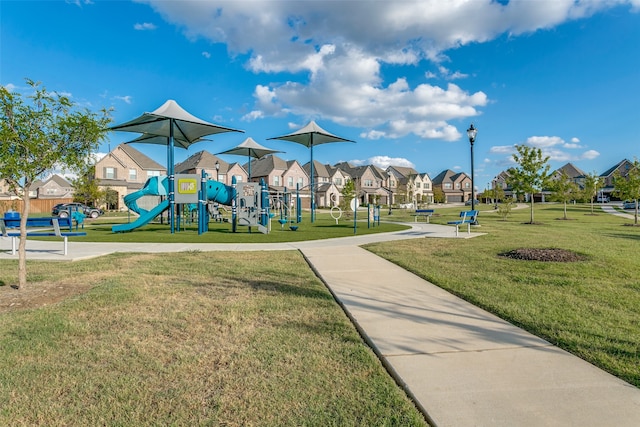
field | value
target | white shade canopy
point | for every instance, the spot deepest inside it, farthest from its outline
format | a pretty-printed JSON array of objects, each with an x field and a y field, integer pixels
[
  {"x": 311, "y": 135},
  {"x": 171, "y": 119},
  {"x": 250, "y": 148}
]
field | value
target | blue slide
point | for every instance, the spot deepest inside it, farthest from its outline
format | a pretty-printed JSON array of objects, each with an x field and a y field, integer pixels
[
  {"x": 158, "y": 186},
  {"x": 145, "y": 218}
]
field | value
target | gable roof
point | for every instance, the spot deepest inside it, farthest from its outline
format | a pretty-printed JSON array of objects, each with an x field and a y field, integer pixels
[
  {"x": 571, "y": 170},
  {"x": 266, "y": 165},
  {"x": 319, "y": 169},
  {"x": 201, "y": 160},
  {"x": 145, "y": 162},
  {"x": 404, "y": 171},
  {"x": 612, "y": 170}
]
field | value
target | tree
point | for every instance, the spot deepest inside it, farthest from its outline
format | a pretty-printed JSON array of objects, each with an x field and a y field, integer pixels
[
  {"x": 348, "y": 192},
  {"x": 627, "y": 187},
  {"x": 37, "y": 133},
  {"x": 86, "y": 187},
  {"x": 564, "y": 190},
  {"x": 592, "y": 184},
  {"x": 504, "y": 209},
  {"x": 438, "y": 195},
  {"x": 532, "y": 173}
]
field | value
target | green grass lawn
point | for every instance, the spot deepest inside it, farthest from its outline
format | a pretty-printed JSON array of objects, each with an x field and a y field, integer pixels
[
  {"x": 190, "y": 339},
  {"x": 590, "y": 308},
  {"x": 324, "y": 227},
  {"x": 256, "y": 339}
]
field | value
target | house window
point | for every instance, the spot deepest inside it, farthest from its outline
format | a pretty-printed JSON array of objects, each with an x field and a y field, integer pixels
[
  {"x": 337, "y": 181},
  {"x": 457, "y": 185},
  {"x": 417, "y": 185},
  {"x": 290, "y": 182},
  {"x": 368, "y": 183},
  {"x": 427, "y": 186},
  {"x": 301, "y": 182},
  {"x": 276, "y": 180},
  {"x": 447, "y": 185},
  {"x": 467, "y": 185},
  {"x": 133, "y": 174},
  {"x": 220, "y": 177},
  {"x": 110, "y": 173},
  {"x": 238, "y": 178},
  {"x": 152, "y": 173}
]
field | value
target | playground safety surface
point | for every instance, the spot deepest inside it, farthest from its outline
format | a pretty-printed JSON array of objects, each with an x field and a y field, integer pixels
[{"x": 461, "y": 365}]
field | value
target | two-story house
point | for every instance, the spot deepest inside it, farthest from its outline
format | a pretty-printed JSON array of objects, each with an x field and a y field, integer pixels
[
  {"x": 54, "y": 187},
  {"x": 621, "y": 168},
  {"x": 125, "y": 170},
  {"x": 456, "y": 186}
]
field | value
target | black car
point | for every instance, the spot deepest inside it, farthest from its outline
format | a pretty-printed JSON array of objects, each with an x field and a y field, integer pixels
[{"x": 62, "y": 210}]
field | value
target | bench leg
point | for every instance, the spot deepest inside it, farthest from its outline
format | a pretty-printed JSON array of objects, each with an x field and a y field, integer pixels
[
  {"x": 456, "y": 230},
  {"x": 65, "y": 244},
  {"x": 13, "y": 245},
  {"x": 469, "y": 228}
]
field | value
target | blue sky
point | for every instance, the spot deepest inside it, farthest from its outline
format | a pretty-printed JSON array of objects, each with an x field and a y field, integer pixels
[{"x": 404, "y": 79}]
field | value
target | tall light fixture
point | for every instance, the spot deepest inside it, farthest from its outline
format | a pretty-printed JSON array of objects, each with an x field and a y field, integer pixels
[
  {"x": 471, "y": 133},
  {"x": 217, "y": 170}
]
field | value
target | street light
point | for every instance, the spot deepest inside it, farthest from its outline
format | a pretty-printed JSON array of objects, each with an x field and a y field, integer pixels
[
  {"x": 471, "y": 133},
  {"x": 217, "y": 170}
]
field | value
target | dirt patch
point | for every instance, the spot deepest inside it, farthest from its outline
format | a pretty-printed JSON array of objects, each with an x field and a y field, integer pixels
[
  {"x": 543, "y": 254},
  {"x": 37, "y": 295}
]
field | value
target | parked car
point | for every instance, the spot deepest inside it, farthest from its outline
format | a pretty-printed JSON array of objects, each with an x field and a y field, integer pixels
[
  {"x": 475, "y": 202},
  {"x": 629, "y": 204},
  {"x": 62, "y": 210},
  {"x": 602, "y": 199}
]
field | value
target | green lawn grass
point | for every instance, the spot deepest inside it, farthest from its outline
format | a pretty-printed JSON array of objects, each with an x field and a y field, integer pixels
[
  {"x": 191, "y": 339},
  {"x": 253, "y": 339},
  {"x": 590, "y": 308},
  {"x": 324, "y": 227}
]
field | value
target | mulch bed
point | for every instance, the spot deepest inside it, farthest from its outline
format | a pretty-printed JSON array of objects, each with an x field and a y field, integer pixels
[{"x": 543, "y": 254}]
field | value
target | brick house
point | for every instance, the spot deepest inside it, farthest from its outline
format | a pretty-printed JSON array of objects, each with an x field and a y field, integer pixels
[
  {"x": 54, "y": 187},
  {"x": 456, "y": 186},
  {"x": 125, "y": 170}
]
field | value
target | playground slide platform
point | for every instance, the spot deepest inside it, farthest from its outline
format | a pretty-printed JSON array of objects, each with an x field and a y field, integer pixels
[{"x": 143, "y": 219}]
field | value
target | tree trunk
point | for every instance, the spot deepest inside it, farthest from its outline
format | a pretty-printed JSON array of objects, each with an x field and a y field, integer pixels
[
  {"x": 565, "y": 210},
  {"x": 531, "y": 208},
  {"x": 22, "y": 246}
]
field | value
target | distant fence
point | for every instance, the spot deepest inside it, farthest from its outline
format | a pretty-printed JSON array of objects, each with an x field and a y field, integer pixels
[{"x": 37, "y": 206}]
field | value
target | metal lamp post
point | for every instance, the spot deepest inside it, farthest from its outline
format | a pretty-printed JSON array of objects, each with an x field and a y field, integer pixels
[
  {"x": 471, "y": 133},
  {"x": 217, "y": 170}
]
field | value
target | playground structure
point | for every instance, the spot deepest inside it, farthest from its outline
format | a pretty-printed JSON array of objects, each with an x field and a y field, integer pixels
[
  {"x": 288, "y": 206},
  {"x": 249, "y": 201}
]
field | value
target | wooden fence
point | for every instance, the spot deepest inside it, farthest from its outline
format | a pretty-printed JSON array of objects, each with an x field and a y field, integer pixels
[{"x": 37, "y": 206}]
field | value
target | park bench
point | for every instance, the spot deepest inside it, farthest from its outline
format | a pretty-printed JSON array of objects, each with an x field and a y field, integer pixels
[
  {"x": 44, "y": 227},
  {"x": 466, "y": 217},
  {"x": 426, "y": 213}
]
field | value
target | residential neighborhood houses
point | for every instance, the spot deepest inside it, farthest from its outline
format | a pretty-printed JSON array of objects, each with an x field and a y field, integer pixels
[{"x": 125, "y": 170}]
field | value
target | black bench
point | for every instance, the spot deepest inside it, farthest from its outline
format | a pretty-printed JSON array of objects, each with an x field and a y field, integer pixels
[
  {"x": 42, "y": 226},
  {"x": 466, "y": 217},
  {"x": 427, "y": 213}
]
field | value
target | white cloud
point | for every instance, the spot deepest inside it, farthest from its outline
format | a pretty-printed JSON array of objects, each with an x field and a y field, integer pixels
[
  {"x": 206, "y": 55},
  {"x": 337, "y": 49},
  {"x": 126, "y": 99},
  {"x": 146, "y": 26},
  {"x": 589, "y": 155},
  {"x": 502, "y": 149},
  {"x": 544, "y": 141},
  {"x": 386, "y": 161}
]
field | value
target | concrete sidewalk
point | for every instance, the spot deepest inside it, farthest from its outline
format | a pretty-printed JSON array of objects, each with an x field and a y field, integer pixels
[{"x": 462, "y": 365}]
